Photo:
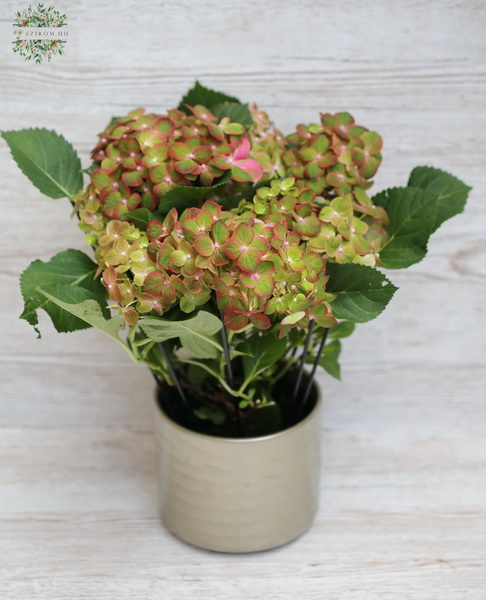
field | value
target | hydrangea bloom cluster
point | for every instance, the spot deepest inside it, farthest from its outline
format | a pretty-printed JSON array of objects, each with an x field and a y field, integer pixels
[
  {"x": 142, "y": 156},
  {"x": 303, "y": 204},
  {"x": 334, "y": 156}
]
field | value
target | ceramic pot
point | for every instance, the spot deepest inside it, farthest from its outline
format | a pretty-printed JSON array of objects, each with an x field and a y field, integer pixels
[{"x": 238, "y": 494}]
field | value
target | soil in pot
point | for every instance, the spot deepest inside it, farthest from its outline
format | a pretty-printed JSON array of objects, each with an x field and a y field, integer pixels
[{"x": 280, "y": 414}]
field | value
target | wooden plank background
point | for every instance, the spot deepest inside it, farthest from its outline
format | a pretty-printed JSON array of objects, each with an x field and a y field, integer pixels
[{"x": 403, "y": 503}]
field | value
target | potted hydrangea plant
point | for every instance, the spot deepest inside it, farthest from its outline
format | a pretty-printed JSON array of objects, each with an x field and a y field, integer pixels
[{"x": 226, "y": 256}]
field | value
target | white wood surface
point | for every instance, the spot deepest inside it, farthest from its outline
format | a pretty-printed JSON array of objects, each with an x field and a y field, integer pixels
[{"x": 403, "y": 503}]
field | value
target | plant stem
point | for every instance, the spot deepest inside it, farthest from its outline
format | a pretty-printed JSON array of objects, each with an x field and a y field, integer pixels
[
  {"x": 281, "y": 373},
  {"x": 217, "y": 376},
  {"x": 175, "y": 379},
  {"x": 302, "y": 361},
  {"x": 313, "y": 372}
]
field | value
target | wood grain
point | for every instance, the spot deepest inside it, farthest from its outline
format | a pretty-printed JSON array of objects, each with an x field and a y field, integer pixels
[{"x": 403, "y": 498}]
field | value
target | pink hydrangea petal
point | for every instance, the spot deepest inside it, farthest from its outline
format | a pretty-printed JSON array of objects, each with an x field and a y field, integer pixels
[
  {"x": 251, "y": 167},
  {"x": 242, "y": 150}
]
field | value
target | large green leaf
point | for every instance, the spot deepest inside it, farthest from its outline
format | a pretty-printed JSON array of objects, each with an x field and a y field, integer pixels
[
  {"x": 185, "y": 196},
  {"x": 412, "y": 213},
  {"x": 65, "y": 321},
  {"x": 362, "y": 293},
  {"x": 47, "y": 159},
  {"x": 261, "y": 352},
  {"x": 196, "y": 334},
  {"x": 68, "y": 269},
  {"x": 88, "y": 311},
  {"x": 200, "y": 94},
  {"x": 237, "y": 113},
  {"x": 452, "y": 192}
]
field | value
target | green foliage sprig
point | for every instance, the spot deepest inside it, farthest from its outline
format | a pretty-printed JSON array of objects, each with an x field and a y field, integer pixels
[{"x": 222, "y": 247}]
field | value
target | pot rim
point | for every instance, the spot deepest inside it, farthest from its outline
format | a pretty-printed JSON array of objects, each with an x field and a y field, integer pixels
[{"x": 231, "y": 440}]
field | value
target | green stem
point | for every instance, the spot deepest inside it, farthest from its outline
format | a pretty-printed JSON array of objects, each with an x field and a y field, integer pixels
[
  {"x": 132, "y": 347},
  {"x": 290, "y": 363},
  {"x": 237, "y": 393}
]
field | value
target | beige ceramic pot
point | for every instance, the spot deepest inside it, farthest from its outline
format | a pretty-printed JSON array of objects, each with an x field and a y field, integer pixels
[{"x": 238, "y": 495}]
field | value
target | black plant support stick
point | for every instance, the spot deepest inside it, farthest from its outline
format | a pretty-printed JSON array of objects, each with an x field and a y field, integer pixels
[
  {"x": 313, "y": 372},
  {"x": 302, "y": 361},
  {"x": 224, "y": 337},
  {"x": 231, "y": 379},
  {"x": 175, "y": 378}
]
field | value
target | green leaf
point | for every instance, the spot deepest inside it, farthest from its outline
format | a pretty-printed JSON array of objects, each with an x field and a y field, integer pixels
[
  {"x": 342, "y": 330},
  {"x": 412, "y": 213},
  {"x": 114, "y": 120},
  {"x": 68, "y": 268},
  {"x": 293, "y": 318},
  {"x": 330, "y": 359},
  {"x": 90, "y": 312},
  {"x": 47, "y": 159},
  {"x": 217, "y": 416},
  {"x": 185, "y": 196},
  {"x": 196, "y": 334},
  {"x": 237, "y": 113},
  {"x": 140, "y": 217},
  {"x": 91, "y": 168},
  {"x": 262, "y": 351},
  {"x": 452, "y": 192},
  {"x": 65, "y": 321},
  {"x": 205, "y": 96},
  {"x": 196, "y": 375},
  {"x": 362, "y": 293}
]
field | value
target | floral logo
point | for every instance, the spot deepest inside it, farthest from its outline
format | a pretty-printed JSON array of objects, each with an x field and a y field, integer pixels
[{"x": 38, "y": 33}]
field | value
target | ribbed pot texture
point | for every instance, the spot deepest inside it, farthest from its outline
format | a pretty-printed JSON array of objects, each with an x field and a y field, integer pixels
[{"x": 238, "y": 495}]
